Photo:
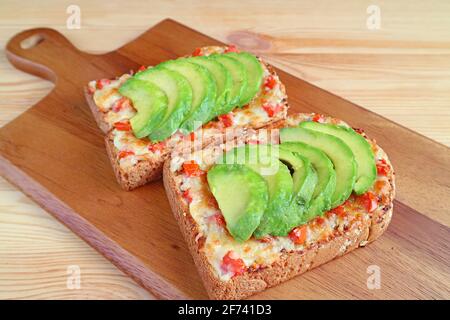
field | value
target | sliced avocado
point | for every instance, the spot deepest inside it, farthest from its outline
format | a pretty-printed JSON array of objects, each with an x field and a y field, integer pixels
[
  {"x": 279, "y": 222},
  {"x": 326, "y": 183},
  {"x": 179, "y": 94},
  {"x": 149, "y": 101},
  {"x": 223, "y": 79},
  {"x": 254, "y": 72},
  {"x": 366, "y": 172},
  {"x": 241, "y": 207},
  {"x": 277, "y": 219},
  {"x": 203, "y": 92},
  {"x": 338, "y": 152},
  {"x": 263, "y": 156},
  {"x": 239, "y": 74},
  {"x": 304, "y": 176}
]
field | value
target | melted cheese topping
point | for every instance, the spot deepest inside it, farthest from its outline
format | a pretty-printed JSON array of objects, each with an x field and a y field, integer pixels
[
  {"x": 251, "y": 115},
  {"x": 126, "y": 141},
  {"x": 260, "y": 253}
]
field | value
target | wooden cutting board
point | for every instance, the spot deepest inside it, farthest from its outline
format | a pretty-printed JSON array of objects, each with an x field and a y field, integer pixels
[{"x": 54, "y": 152}]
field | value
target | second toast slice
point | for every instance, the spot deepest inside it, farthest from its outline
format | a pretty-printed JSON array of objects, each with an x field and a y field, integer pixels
[{"x": 138, "y": 161}]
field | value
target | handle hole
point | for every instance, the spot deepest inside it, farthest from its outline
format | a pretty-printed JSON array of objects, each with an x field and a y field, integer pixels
[{"x": 31, "y": 41}]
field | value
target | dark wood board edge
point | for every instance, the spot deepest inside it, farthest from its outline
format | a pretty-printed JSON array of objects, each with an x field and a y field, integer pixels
[{"x": 121, "y": 258}]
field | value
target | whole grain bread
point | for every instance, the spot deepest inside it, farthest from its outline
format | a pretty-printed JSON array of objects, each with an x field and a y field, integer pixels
[
  {"x": 138, "y": 175},
  {"x": 98, "y": 115},
  {"x": 289, "y": 264}
]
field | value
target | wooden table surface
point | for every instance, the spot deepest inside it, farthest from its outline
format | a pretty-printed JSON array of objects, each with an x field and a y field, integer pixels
[{"x": 401, "y": 71}]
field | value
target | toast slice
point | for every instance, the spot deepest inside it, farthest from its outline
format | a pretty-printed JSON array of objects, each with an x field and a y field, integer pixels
[
  {"x": 271, "y": 260},
  {"x": 139, "y": 161}
]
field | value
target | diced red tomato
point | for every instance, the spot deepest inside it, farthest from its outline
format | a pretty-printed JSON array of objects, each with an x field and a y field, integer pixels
[
  {"x": 272, "y": 110},
  {"x": 266, "y": 239},
  {"x": 339, "y": 211},
  {"x": 319, "y": 221},
  {"x": 192, "y": 136},
  {"x": 329, "y": 214},
  {"x": 270, "y": 82},
  {"x": 298, "y": 235},
  {"x": 141, "y": 68},
  {"x": 102, "y": 82},
  {"x": 382, "y": 167},
  {"x": 155, "y": 147},
  {"x": 359, "y": 130},
  {"x": 192, "y": 169},
  {"x": 197, "y": 52},
  {"x": 125, "y": 153},
  {"x": 318, "y": 118},
  {"x": 120, "y": 104},
  {"x": 187, "y": 196},
  {"x": 232, "y": 263},
  {"x": 231, "y": 48},
  {"x": 219, "y": 219},
  {"x": 122, "y": 126},
  {"x": 369, "y": 201},
  {"x": 92, "y": 89},
  {"x": 226, "y": 119}
]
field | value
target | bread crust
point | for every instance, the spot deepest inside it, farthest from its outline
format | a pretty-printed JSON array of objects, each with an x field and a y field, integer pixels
[
  {"x": 381, "y": 218},
  {"x": 138, "y": 175},
  {"x": 289, "y": 264},
  {"x": 142, "y": 173},
  {"x": 98, "y": 115}
]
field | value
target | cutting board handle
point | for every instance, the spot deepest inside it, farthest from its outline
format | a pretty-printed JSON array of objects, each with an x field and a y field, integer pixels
[{"x": 43, "y": 52}]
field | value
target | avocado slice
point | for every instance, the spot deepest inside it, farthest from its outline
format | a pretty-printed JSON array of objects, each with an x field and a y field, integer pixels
[
  {"x": 338, "y": 152},
  {"x": 277, "y": 219},
  {"x": 261, "y": 156},
  {"x": 223, "y": 79},
  {"x": 241, "y": 207},
  {"x": 254, "y": 71},
  {"x": 326, "y": 177},
  {"x": 203, "y": 92},
  {"x": 289, "y": 213},
  {"x": 149, "y": 101},
  {"x": 366, "y": 172},
  {"x": 179, "y": 95},
  {"x": 240, "y": 79},
  {"x": 304, "y": 176}
]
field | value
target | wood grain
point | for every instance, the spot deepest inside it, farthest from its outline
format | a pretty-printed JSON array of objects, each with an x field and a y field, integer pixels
[
  {"x": 403, "y": 259},
  {"x": 400, "y": 71}
]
